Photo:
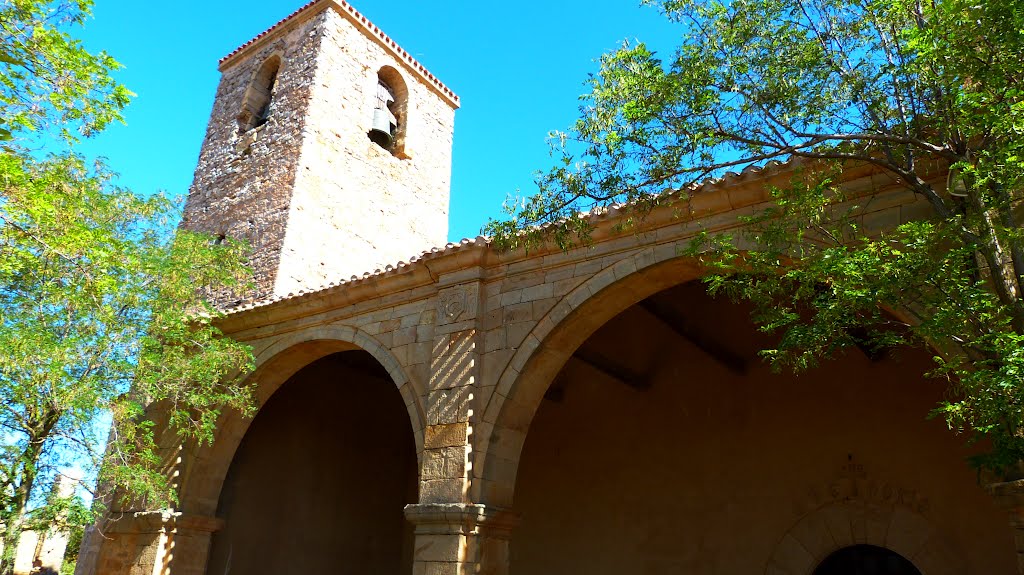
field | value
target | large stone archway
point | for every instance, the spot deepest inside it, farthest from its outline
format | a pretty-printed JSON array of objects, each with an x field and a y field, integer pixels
[
  {"x": 507, "y": 415},
  {"x": 203, "y": 470},
  {"x": 323, "y": 472},
  {"x": 276, "y": 363},
  {"x": 509, "y": 418}
]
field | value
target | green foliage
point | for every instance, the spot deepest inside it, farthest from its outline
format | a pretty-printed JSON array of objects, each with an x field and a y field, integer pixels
[
  {"x": 110, "y": 358},
  {"x": 74, "y": 546},
  {"x": 48, "y": 81},
  {"x": 103, "y": 316},
  {"x": 910, "y": 89}
]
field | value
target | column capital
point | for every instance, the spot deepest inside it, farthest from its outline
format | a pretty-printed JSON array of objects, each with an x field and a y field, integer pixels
[
  {"x": 1009, "y": 496},
  {"x": 461, "y": 518}
]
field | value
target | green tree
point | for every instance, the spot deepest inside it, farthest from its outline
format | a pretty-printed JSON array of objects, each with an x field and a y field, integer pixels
[
  {"x": 912, "y": 88},
  {"x": 49, "y": 83},
  {"x": 104, "y": 319}
]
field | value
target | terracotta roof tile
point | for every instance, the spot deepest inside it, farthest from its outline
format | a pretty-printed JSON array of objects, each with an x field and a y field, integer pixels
[
  {"x": 389, "y": 269},
  {"x": 368, "y": 27}
]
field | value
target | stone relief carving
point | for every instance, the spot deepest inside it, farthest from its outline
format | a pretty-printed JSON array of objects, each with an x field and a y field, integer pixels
[
  {"x": 457, "y": 303},
  {"x": 854, "y": 485}
]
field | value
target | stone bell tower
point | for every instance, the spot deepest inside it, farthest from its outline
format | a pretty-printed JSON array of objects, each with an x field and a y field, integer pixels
[{"x": 328, "y": 150}]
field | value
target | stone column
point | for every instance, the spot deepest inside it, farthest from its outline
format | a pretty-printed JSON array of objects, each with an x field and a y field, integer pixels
[
  {"x": 148, "y": 543},
  {"x": 1009, "y": 496},
  {"x": 454, "y": 534},
  {"x": 452, "y": 395},
  {"x": 186, "y": 541},
  {"x": 461, "y": 538}
]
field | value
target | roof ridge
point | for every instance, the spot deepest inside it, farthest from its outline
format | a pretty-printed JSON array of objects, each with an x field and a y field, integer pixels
[{"x": 367, "y": 27}]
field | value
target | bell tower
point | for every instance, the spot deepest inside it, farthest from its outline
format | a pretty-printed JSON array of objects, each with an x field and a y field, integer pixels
[{"x": 328, "y": 150}]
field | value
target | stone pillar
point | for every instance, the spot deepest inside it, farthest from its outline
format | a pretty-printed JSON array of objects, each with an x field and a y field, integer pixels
[
  {"x": 51, "y": 553},
  {"x": 187, "y": 543},
  {"x": 455, "y": 535},
  {"x": 148, "y": 543},
  {"x": 1009, "y": 496},
  {"x": 452, "y": 395},
  {"x": 461, "y": 538}
]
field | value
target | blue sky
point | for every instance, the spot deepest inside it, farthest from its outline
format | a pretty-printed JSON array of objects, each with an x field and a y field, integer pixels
[{"x": 519, "y": 68}]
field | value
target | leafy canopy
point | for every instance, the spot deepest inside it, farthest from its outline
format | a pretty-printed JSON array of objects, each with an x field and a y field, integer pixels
[
  {"x": 48, "y": 81},
  {"x": 928, "y": 93},
  {"x": 102, "y": 313},
  {"x": 110, "y": 357}
]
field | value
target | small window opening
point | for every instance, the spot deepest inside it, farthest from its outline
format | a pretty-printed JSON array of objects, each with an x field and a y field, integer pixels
[
  {"x": 257, "y": 106},
  {"x": 264, "y": 111},
  {"x": 389, "y": 111}
]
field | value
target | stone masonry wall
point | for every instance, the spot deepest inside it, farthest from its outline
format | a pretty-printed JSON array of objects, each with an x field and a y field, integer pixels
[
  {"x": 356, "y": 207},
  {"x": 472, "y": 339},
  {"x": 243, "y": 182}
]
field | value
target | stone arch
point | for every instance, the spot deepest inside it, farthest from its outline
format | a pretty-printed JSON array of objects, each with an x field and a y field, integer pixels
[
  {"x": 521, "y": 386},
  {"x": 838, "y": 525},
  {"x": 275, "y": 364},
  {"x": 509, "y": 410}
]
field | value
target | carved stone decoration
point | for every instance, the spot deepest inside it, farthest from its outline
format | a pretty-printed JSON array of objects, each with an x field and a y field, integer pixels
[
  {"x": 854, "y": 509},
  {"x": 848, "y": 489},
  {"x": 452, "y": 304},
  {"x": 853, "y": 484},
  {"x": 834, "y": 526},
  {"x": 457, "y": 303}
]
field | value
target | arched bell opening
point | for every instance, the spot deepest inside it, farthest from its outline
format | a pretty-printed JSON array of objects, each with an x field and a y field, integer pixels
[
  {"x": 390, "y": 111},
  {"x": 320, "y": 479},
  {"x": 866, "y": 560},
  {"x": 664, "y": 444}
]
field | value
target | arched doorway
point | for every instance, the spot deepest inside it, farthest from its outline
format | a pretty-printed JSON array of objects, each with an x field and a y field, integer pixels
[
  {"x": 665, "y": 445},
  {"x": 866, "y": 560},
  {"x": 321, "y": 477}
]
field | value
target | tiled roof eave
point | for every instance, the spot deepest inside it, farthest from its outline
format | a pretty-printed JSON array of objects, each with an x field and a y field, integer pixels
[{"x": 748, "y": 175}]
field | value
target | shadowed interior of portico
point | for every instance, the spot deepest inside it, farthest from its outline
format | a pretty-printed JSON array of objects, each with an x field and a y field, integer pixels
[
  {"x": 321, "y": 478},
  {"x": 666, "y": 445}
]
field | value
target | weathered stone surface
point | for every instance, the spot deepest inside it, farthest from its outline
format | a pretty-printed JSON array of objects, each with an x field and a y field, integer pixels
[{"x": 317, "y": 200}]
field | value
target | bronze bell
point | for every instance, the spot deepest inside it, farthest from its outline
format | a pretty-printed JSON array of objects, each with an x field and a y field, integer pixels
[{"x": 380, "y": 129}]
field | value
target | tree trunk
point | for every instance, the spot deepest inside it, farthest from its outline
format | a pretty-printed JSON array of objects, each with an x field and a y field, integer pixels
[
  {"x": 15, "y": 515},
  {"x": 13, "y": 526},
  {"x": 11, "y": 537}
]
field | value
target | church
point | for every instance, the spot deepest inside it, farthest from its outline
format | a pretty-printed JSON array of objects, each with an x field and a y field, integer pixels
[{"x": 435, "y": 408}]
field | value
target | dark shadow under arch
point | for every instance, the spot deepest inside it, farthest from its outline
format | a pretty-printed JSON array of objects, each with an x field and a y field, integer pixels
[
  {"x": 653, "y": 451},
  {"x": 320, "y": 479},
  {"x": 866, "y": 560}
]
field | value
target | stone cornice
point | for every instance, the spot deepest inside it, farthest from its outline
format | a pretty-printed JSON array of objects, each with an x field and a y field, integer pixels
[{"x": 714, "y": 206}]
